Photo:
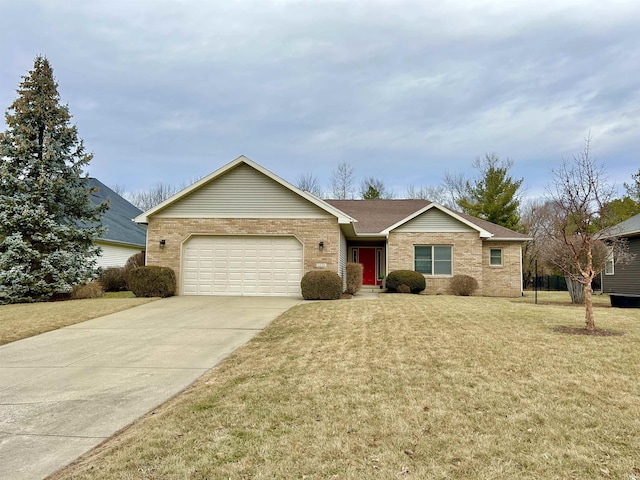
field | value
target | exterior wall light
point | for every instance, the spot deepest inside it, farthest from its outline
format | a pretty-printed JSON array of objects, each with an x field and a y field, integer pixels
[
  {"x": 321, "y": 246},
  {"x": 163, "y": 242}
]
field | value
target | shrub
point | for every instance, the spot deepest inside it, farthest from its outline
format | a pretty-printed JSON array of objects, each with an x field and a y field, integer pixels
[
  {"x": 403, "y": 289},
  {"x": 354, "y": 278},
  {"x": 414, "y": 280},
  {"x": 152, "y": 281},
  {"x": 133, "y": 261},
  {"x": 87, "y": 290},
  {"x": 321, "y": 285},
  {"x": 463, "y": 285},
  {"x": 113, "y": 279}
]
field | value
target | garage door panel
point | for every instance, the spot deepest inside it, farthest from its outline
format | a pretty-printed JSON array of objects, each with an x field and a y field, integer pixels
[{"x": 236, "y": 265}]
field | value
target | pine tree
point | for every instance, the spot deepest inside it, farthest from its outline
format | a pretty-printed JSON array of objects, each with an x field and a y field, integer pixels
[
  {"x": 47, "y": 221},
  {"x": 494, "y": 196}
]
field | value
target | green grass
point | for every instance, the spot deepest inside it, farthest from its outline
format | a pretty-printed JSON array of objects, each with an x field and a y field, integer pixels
[
  {"x": 403, "y": 387},
  {"x": 28, "y": 319}
]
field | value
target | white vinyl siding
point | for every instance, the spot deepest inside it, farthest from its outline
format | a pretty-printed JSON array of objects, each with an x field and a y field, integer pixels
[
  {"x": 242, "y": 265},
  {"x": 434, "y": 221},
  {"x": 243, "y": 192},
  {"x": 115, "y": 255}
]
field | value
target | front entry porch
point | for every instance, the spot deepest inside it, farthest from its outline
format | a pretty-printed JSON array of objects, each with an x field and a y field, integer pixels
[{"x": 372, "y": 258}]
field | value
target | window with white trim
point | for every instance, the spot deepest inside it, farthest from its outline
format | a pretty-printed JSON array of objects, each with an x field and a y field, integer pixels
[
  {"x": 433, "y": 259},
  {"x": 495, "y": 257},
  {"x": 609, "y": 268}
]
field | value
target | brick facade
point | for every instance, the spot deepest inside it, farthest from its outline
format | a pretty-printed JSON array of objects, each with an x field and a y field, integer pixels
[
  {"x": 310, "y": 232},
  {"x": 505, "y": 280},
  {"x": 470, "y": 257}
]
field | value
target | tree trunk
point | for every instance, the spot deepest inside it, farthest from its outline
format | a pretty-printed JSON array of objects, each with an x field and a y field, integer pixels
[
  {"x": 588, "y": 306},
  {"x": 576, "y": 290}
]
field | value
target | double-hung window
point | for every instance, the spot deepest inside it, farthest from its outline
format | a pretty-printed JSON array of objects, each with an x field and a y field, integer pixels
[
  {"x": 433, "y": 259},
  {"x": 495, "y": 257},
  {"x": 609, "y": 268}
]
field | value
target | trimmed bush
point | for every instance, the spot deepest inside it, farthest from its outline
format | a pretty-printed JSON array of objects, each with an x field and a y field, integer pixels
[
  {"x": 403, "y": 289},
  {"x": 87, "y": 290},
  {"x": 113, "y": 279},
  {"x": 463, "y": 285},
  {"x": 152, "y": 281},
  {"x": 354, "y": 278},
  {"x": 133, "y": 261},
  {"x": 321, "y": 285},
  {"x": 414, "y": 280}
]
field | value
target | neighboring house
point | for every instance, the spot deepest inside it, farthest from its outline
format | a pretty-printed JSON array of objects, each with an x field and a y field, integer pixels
[
  {"x": 122, "y": 237},
  {"x": 622, "y": 281},
  {"x": 244, "y": 231}
]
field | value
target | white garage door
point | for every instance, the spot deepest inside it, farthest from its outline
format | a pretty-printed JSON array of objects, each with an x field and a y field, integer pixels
[{"x": 237, "y": 265}]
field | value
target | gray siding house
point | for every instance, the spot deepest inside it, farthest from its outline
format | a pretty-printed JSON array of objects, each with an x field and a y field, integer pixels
[{"x": 622, "y": 281}]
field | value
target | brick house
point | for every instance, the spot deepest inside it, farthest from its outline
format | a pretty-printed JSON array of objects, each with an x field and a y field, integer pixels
[{"x": 244, "y": 231}]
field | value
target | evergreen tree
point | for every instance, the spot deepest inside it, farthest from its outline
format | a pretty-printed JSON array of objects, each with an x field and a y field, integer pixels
[
  {"x": 47, "y": 221},
  {"x": 494, "y": 196}
]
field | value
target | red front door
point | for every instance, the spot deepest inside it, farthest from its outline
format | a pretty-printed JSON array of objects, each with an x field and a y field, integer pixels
[{"x": 367, "y": 257}]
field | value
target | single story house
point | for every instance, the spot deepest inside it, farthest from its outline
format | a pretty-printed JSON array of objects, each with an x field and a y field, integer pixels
[
  {"x": 243, "y": 230},
  {"x": 122, "y": 237},
  {"x": 622, "y": 281}
]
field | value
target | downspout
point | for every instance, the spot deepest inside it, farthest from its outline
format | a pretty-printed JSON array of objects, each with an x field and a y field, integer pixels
[{"x": 521, "y": 277}]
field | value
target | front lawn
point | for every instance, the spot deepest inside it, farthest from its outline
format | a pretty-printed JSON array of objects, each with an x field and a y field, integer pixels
[
  {"x": 403, "y": 387},
  {"x": 28, "y": 319}
]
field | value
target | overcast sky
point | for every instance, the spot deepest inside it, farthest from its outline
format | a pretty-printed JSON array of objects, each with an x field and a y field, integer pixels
[{"x": 169, "y": 91}]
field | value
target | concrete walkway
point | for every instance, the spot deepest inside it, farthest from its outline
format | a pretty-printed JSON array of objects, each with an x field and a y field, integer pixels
[{"x": 64, "y": 392}]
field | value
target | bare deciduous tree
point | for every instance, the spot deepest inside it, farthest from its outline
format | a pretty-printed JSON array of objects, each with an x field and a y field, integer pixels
[
  {"x": 146, "y": 200},
  {"x": 342, "y": 182},
  {"x": 309, "y": 183},
  {"x": 575, "y": 239},
  {"x": 373, "y": 189},
  {"x": 437, "y": 194}
]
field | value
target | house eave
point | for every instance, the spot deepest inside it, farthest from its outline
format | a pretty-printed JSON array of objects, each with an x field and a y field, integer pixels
[
  {"x": 342, "y": 217},
  {"x": 120, "y": 243}
]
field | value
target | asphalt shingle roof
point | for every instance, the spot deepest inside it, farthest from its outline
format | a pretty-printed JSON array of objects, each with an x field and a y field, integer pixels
[
  {"x": 629, "y": 227},
  {"x": 119, "y": 217},
  {"x": 374, "y": 216}
]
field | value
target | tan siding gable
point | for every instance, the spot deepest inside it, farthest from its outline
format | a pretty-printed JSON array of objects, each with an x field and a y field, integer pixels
[
  {"x": 434, "y": 220},
  {"x": 243, "y": 192}
]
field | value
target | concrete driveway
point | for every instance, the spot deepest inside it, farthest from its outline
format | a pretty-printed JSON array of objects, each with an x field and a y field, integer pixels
[{"x": 64, "y": 392}]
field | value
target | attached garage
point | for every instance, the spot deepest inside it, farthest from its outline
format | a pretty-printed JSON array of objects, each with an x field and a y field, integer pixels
[{"x": 242, "y": 265}]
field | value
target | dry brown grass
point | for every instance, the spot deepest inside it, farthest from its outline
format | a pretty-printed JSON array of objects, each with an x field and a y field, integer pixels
[
  {"x": 562, "y": 298},
  {"x": 29, "y": 319},
  {"x": 404, "y": 387}
]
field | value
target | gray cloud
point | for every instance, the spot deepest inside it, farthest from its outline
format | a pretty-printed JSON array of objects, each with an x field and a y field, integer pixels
[{"x": 167, "y": 91}]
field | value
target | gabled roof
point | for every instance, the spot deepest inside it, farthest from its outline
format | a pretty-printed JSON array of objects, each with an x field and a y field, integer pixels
[
  {"x": 379, "y": 217},
  {"x": 628, "y": 228},
  {"x": 119, "y": 217},
  {"x": 341, "y": 216},
  {"x": 374, "y": 216}
]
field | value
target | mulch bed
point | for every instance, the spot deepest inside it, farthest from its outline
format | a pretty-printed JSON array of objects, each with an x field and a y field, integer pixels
[{"x": 583, "y": 331}]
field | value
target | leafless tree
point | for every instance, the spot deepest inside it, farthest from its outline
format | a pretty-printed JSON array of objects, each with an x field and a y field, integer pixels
[
  {"x": 148, "y": 199},
  {"x": 373, "y": 188},
  {"x": 119, "y": 189},
  {"x": 437, "y": 194},
  {"x": 455, "y": 185},
  {"x": 342, "y": 182},
  {"x": 576, "y": 237},
  {"x": 537, "y": 217},
  {"x": 309, "y": 183}
]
